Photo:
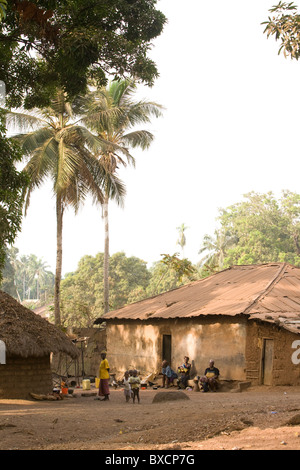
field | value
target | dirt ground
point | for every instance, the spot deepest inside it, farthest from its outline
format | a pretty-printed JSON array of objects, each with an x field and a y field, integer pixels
[{"x": 260, "y": 418}]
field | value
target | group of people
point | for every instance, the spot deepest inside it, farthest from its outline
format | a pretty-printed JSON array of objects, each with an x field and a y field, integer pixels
[
  {"x": 209, "y": 381},
  {"x": 132, "y": 382},
  {"x": 182, "y": 375}
]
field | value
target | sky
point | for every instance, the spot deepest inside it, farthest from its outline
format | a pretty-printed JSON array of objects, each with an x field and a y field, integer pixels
[{"x": 230, "y": 126}]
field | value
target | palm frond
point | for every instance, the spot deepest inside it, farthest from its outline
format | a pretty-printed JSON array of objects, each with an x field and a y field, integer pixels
[
  {"x": 138, "y": 113},
  {"x": 142, "y": 139},
  {"x": 33, "y": 140},
  {"x": 95, "y": 143},
  {"x": 40, "y": 166},
  {"x": 106, "y": 180},
  {"x": 21, "y": 121},
  {"x": 68, "y": 164},
  {"x": 121, "y": 90}
]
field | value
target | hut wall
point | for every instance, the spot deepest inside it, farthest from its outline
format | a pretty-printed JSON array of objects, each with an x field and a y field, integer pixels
[
  {"x": 20, "y": 376},
  {"x": 283, "y": 369},
  {"x": 139, "y": 344}
]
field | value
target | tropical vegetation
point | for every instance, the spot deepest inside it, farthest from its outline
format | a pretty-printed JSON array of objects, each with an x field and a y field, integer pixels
[
  {"x": 47, "y": 45},
  {"x": 113, "y": 115},
  {"x": 284, "y": 25},
  {"x": 260, "y": 229},
  {"x": 27, "y": 277},
  {"x": 130, "y": 281},
  {"x": 59, "y": 149},
  {"x": 12, "y": 186}
]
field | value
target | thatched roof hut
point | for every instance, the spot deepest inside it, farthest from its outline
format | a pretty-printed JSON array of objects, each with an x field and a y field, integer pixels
[
  {"x": 29, "y": 341},
  {"x": 27, "y": 334}
]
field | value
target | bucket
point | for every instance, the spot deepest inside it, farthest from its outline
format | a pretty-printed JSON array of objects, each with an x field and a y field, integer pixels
[
  {"x": 86, "y": 384},
  {"x": 97, "y": 382},
  {"x": 64, "y": 390}
]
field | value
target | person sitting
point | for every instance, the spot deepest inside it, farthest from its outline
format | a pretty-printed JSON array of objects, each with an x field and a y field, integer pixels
[
  {"x": 184, "y": 373},
  {"x": 210, "y": 380},
  {"x": 168, "y": 374}
]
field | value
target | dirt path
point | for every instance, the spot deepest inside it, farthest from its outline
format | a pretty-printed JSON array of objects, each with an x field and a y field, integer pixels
[{"x": 252, "y": 420}]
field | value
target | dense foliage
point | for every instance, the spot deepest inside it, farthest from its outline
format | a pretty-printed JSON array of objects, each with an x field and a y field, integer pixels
[
  {"x": 130, "y": 281},
  {"x": 284, "y": 25},
  {"x": 260, "y": 229},
  {"x": 47, "y": 44},
  {"x": 12, "y": 186}
]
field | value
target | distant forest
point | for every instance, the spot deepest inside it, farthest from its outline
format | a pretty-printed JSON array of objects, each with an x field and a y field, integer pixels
[{"x": 260, "y": 229}]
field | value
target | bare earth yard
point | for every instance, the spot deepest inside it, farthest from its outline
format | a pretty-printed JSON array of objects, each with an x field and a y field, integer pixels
[{"x": 256, "y": 419}]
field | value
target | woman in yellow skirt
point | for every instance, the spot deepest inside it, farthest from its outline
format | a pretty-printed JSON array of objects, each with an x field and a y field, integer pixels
[{"x": 104, "y": 378}]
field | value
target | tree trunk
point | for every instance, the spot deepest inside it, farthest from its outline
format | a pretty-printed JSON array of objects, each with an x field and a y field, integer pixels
[
  {"x": 106, "y": 256},
  {"x": 59, "y": 226}
]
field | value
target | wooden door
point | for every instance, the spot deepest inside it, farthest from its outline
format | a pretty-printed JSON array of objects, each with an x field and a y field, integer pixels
[
  {"x": 167, "y": 348},
  {"x": 267, "y": 362}
]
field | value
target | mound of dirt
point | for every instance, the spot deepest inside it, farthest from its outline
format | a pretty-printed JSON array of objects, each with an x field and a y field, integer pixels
[
  {"x": 293, "y": 421},
  {"x": 169, "y": 396}
]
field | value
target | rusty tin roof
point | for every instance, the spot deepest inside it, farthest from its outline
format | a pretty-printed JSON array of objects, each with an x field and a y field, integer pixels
[{"x": 269, "y": 292}]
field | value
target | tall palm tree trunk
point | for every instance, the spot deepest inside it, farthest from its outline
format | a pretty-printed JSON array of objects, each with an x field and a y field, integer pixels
[
  {"x": 59, "y": 227},
  {"x": 106, "y": 255}
]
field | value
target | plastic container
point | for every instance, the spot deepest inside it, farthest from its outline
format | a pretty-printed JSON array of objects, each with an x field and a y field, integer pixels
[
  {"x": 64, "y": 390},
  {"x": 97, "y": 382},
  {"x": 86, "y": 384}
]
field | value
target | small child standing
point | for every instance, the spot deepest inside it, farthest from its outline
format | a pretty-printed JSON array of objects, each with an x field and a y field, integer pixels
[
  {"x": 135, "y": 382},
  {"x": 127, "y": 386}
]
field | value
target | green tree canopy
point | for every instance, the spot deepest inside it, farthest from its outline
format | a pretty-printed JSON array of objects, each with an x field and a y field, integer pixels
[
  {"x": 284, "y": 25},
  {"x": 47, "y": 44},
  {"x": 169, "y": 273},
  {"x": 261, "y": 229},
  {"x": 12, "y": 186},
  {"x": 82, "y": 290}
]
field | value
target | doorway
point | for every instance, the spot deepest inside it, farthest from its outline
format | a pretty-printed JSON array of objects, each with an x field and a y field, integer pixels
[
  {"x": 167, "y": 348},
  {"x": 267, "y": 361}
]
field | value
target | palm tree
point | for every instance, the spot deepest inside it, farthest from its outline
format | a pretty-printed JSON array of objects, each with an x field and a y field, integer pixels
[
  {"x": 216, "y": 248},
  {"x": 112, "y": 114},
  {"x": 182, "y": 239},
  {"x": 37, "y": 269},
  {"x": 60, "y": 149}
]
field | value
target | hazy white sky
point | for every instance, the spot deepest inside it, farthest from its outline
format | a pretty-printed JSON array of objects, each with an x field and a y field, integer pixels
[{"x": 231, "y": 125}]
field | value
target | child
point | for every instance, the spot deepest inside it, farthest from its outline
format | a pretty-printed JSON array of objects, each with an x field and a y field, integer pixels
[
  {"x": 134, "y": 381},
  {"x": 127, "y": 387}
]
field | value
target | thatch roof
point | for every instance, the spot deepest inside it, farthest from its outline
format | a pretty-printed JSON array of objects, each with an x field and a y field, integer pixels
[{"x": 26, "y": 334}]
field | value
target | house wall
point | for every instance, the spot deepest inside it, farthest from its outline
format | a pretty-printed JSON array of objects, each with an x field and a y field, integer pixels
[
  {"x": 138, "y": 344},
  {"x": 284, "y": 370},
  {"x": 20, "y": 376}
]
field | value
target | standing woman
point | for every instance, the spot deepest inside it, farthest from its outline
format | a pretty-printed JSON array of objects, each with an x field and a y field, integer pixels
[{"x": 104, "y": 377}]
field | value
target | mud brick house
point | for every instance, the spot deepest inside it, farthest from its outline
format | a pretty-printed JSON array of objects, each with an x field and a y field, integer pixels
[
  {"x": 246, "y": 318},
  {"x": 29, "y": 341}
]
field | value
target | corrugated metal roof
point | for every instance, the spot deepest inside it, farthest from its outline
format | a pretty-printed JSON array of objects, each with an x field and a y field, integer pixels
[{"x": 270, "y": 292}]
